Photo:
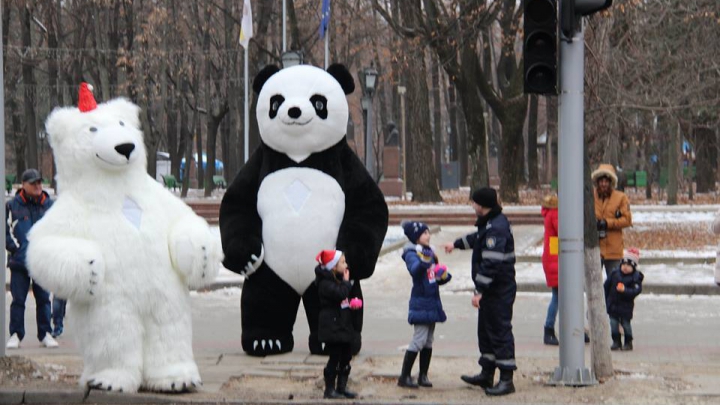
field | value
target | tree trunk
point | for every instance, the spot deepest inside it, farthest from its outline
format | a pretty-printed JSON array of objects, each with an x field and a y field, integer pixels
[
  {"x": 706, "y": 158},
  {"x": 552, "y": 131},
  {"x": 422, "y": 177},
  {"x": 437, "y": 117},
  {"x": 194, "y": 128},
  {"x": 599, "y": 325},
  {"x": 673, "y": 157},
  {"x": 533, "y": 181},
  {"x": 649, "y": 166},
  {"x": 29, "y": 104},
  {"x": 452, "y": 116},
  {"x": 512, "y": 150}
]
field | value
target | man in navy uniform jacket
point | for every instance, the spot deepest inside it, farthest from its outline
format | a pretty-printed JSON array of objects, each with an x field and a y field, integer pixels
[{"x": 493, "y": 272}]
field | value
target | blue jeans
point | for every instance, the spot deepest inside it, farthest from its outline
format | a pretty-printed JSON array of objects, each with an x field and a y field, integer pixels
[
  {"x": 19, "y": 287},
  {"x": 552, "y": 309},
  {"x": 58, "y": 314},
  {"x": 615, "y": 328}
]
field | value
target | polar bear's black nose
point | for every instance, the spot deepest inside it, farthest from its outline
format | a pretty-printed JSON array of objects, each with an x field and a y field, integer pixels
[
  {"x": 294, "y": 113},
  {"x": 125, "y": 149}
]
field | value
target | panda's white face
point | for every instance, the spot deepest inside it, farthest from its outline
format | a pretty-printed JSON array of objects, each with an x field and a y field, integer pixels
[{"x": 302, "y": 110}]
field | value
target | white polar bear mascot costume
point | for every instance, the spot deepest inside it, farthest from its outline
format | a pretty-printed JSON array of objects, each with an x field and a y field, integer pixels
[{"x": 123, "y": 251}]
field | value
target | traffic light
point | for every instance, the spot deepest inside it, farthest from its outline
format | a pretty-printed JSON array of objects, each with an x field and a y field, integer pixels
[
  {"x": 540, "y": 47},
  {"x": 572, "y": 10}
]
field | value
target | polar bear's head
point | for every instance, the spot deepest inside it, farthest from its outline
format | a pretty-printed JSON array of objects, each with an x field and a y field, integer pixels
[
  {"x": 105, "y": 140},
  {"x": 302, "y": 109}
]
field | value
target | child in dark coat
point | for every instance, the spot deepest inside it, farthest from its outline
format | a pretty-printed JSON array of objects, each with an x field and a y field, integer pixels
[
  {"x": 425, "y": 305},
  {"x": 621, "y": 288},
  {"x": 335, "y": 327}
]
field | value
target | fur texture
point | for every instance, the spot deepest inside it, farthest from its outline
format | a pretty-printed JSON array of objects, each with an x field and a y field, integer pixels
[
  {"x": 123, "y": 251},
  {"x": 302, "y": 191}
]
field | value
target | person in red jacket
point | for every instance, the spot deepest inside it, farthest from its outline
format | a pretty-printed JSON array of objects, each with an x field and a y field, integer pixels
[{"x": 550, "y": 264}]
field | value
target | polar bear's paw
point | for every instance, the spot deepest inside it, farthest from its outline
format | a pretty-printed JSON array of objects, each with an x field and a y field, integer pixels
[
  {"x": 113, "y": 380},
  {"x": 176, "y": 379},
  {"x": 197, "y": 256}
]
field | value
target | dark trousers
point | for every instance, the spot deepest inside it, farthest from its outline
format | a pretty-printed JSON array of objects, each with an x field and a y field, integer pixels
[
  {"x": 615, "y": 324},
  {"x": 58, "y": 313},
  {"x": 19, "y": 287},
  {"x": 495, "y": 337},
  {"x": 610, "y": 265},
  {"x": 340, "y": 355}
]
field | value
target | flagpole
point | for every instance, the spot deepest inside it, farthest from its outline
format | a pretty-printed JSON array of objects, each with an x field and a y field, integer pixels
[
  {"x": 283, "y": 25},
  {"x": 327, "y": 44},
  {"x": 246, "y": 110}
]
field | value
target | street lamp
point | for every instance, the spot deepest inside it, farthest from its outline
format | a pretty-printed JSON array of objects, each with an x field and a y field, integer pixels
[
  {"x": 41, "y": 136},
  {"x": 401, "y": 91},
  {"x": 291, "y": 58},
  {"x": 370, "y": 80}
]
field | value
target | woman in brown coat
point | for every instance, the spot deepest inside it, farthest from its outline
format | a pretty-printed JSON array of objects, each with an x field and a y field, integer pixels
[{"x": 612, "y": 211}]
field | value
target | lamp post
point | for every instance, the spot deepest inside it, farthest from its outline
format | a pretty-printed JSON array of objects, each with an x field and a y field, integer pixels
[
  {"x": 401, "y": 91},
  {"x": 291, "y": 58},
  {"x": 41, "y": 136},
  {"x": 370, "y": 76}
]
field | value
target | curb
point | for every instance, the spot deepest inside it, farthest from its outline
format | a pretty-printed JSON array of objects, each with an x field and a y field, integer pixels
[
  {"x": 18, "y": 396},
  {"x": 669, "y": 289},
  {"x": 645, "y": 260}
]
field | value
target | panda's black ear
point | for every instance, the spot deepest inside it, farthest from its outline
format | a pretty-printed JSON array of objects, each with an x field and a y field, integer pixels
[
  {"x": 343, "y": 76},
  {"x": 263, "y": 76}
]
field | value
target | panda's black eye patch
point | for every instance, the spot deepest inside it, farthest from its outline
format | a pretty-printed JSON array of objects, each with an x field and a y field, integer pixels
[
  {"x": 275, "y": 103},
  {"x": 319, "y": 103},
  {"x": 93, "y": 129},
  {"x": 122, "y": 124}
]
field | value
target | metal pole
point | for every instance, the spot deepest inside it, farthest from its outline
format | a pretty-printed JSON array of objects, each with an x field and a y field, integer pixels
[
  {"x": 572, "y": 369},
  {"x": 2, "y": 175},
  {"x": 246, "y": 110},
  {"x": 327, "y": 44},
  {"x": 369, "y": 150},
  {"x": 401, "y": 92},
  {"x": 283, "y": 25}
]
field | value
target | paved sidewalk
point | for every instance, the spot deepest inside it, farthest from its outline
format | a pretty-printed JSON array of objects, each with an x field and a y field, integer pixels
[{"x": 676, "y": 356}]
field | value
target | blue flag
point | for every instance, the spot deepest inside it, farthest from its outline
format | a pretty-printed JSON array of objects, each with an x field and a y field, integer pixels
[{"x": 324, "y": 18}]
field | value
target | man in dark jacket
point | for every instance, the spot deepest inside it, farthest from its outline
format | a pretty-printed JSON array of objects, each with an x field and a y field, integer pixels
[
  {"x": 493, "y": 272},
  {"x": 21, "y": 213}
]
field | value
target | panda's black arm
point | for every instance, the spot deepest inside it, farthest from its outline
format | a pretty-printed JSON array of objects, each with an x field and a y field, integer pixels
[
  {"x": 240, "y": 223},
  {"x": 366, "y": 219}
]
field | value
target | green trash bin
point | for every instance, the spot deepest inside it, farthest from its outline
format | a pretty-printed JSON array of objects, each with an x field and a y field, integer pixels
[{"x": 641, "y": 178}]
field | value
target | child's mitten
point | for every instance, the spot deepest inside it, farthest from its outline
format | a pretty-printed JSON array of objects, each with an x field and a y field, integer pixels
[{"x": 356, "y": 303}]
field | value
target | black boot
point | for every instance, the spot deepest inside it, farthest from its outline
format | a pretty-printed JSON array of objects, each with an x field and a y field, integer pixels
[
  {"x": 587, "y": 338},
  {"x": 504, "y": 386},
  {"x": 628, "y": 344},
  {"x": 342, "y": 380},
  {"x": 405, "y": 379},
  {"x": 616, "y": 342},
  {"x": 425, "y": 355},
  {"x": 484, "y": 379},
  {"x": 549, "y": 338},
  {"x": 330, "y": 392}
]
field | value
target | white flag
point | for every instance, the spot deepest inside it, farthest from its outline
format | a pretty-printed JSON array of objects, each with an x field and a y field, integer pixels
[{"x": 246, "y": 28}]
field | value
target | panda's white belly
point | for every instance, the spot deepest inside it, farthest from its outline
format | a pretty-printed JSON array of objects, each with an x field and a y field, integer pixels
[{"x": 301, "y": 211}]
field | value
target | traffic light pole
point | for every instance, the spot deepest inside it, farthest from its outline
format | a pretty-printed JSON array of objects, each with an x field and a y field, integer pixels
[{"x": 572, "y": 370}]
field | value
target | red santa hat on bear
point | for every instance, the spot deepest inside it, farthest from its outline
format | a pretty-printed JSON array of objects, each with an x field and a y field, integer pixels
[
  {"x": 328, "y": 258},
  {"x": 86, "y": 100}
]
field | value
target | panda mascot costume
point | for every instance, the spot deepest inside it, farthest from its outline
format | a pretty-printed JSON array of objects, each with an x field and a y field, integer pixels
[{"x": 302, "y": 191}]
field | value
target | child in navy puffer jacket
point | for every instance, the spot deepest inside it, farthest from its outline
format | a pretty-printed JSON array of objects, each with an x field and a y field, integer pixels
[
  {"x": 621, "y": 288},
  {"x": 425, "y": 305}
]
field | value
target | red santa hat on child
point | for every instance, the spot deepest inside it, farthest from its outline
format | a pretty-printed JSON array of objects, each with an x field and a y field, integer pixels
[
  {"x": 86, "y": 100},
  {"x": 328, "y": 258}
]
